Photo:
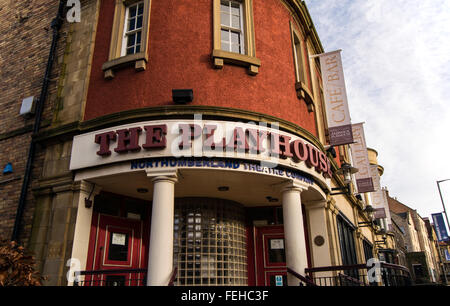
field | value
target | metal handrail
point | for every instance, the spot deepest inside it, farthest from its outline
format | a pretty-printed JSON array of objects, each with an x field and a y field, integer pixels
[
  {"x": 118, "y": 271},
  {"x": 174, "y": 276},
  {"x": 393, "y": 270},
  {"x": 355, "y": 267},
  {"x": 306, "y": 280}
]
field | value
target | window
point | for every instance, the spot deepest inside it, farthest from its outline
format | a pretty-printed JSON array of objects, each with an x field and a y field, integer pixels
[
  {"x": 129, "y": 36},
  {"x": 209, "y": 242},
  {"x": 368, "y": 250},
  {"x": 302, "y": 68},
  {"x": 347, "y": 242},
  {"x": 298, "y": 59},
  {"x": 234, "y": 41},
  {"x": 231, "y": 27},
  {"x": 133, "y": 29}
]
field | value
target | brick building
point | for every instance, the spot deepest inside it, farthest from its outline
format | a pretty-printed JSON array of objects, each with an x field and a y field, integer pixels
[
  {"x": 23, "y": 67},
  {"x": 421, "y": 255},
  {"x": 110, "y": 192}
]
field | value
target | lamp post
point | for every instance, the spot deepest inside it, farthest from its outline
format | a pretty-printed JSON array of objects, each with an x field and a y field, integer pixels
[
  {"x": 442, "y": 200},
  {"x": 448, "y": 225}
]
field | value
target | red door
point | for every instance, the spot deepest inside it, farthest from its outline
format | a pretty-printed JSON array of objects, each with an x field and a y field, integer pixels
[
  {"x": 270, "y": 256},
  {"x": 116, "y": 245}
]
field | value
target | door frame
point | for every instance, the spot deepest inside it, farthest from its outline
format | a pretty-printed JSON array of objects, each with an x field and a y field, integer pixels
[
  {"x": 96, "y": 259},
  {"x": 261, "y": 267}
]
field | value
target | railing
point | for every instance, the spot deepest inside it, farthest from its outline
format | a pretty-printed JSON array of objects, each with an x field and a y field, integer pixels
[
  {"x": 358, "y": 275},
  {"x": 100, "y": 278},
  {"x": 130, "y": 277},
  {"x": 173, "y": 277},
  {"x": 304, "y": 281}
]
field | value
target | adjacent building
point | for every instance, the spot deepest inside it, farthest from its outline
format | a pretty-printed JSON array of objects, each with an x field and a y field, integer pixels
[{"x": 420, "y": 242}]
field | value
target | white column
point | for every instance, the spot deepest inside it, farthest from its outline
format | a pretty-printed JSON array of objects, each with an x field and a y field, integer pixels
[
  {"x": 160, "y": 258},
  {"x": 294, "y": 234}
]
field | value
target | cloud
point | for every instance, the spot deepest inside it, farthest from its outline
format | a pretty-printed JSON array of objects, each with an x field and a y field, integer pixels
[{"x": 396, "y": 58}]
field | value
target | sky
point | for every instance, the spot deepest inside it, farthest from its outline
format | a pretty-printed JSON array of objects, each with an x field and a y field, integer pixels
[{"x": 396, "y": 59}]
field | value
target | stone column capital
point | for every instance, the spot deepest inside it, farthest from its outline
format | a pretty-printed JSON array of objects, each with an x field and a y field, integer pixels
[
  {"x": 293, "y": 186},
  {"x": 331, "y": 206},
  {"x": 162, "y": 175}
]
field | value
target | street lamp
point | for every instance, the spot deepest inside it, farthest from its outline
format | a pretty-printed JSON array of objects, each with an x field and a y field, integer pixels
[
  {"x": 442, "y": 200},
  {"x": 448, "y": 225}
]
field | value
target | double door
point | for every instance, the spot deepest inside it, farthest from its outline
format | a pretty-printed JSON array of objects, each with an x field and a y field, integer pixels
[{"x": 118, "y": 252}]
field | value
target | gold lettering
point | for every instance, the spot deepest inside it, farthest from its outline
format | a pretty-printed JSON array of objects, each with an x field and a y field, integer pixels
[
  {"x": 333, "y": 77},
  {"x": 330, "y": 60},
  {"x": 335, "y": 92}
]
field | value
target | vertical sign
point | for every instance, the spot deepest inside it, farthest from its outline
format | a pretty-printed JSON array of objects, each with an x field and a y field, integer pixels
[
  {"x": 379, "y": 198},
  {"x": 439, "y": 225},
  {"x": 364, "y": 181},
  {"x": 335, "y": 95},
  {"x": 447, "y": 255}
]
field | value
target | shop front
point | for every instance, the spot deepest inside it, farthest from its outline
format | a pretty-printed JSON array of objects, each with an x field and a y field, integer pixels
[{"x": 182, "y": 202}]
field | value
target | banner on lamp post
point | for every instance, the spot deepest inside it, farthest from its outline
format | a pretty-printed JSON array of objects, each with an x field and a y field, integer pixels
[
  {"x": 439, "y": 225},
  {"x": 335, "y": 95},
  {"x": 360, "y": 158}
]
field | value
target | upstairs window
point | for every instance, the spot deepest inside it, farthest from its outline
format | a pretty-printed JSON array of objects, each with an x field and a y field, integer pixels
[
  {"x": 302, "y": 68},
  {"x": 298, "y": 59},
  {"x": 234, "y": 37},
  {"x": 231, "y": 27},
  {"x": 129, "y": 36},
  {"x": 134, "y": 17}
]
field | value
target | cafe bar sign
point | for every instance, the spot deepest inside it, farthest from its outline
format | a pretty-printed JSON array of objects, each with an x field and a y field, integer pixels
[
  {"x": 194, "y": 138},
  {"x": 335, "y": 96}
]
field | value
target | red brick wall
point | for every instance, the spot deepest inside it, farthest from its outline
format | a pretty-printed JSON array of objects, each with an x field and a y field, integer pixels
[{"x": 180, "y": 47}]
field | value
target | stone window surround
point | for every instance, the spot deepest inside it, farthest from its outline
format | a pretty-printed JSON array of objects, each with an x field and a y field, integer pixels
[
  {"x": 248, "y": 59},
  {"x": 115, "y": 59},
  {"x": 303, "y": 92}
]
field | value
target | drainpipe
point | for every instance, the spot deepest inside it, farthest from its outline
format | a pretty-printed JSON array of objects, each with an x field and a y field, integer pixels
[{"x": 56, "y": 26}]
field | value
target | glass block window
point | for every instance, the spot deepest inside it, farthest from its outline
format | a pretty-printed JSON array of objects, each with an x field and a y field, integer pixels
[
  {"x": 209, "y": 242},
  {"x": 134, "y": 17},
  {"x": 232, "y": 29}
]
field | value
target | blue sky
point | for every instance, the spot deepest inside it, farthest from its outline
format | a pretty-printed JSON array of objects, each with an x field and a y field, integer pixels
[{"x": 396, "y": 58}]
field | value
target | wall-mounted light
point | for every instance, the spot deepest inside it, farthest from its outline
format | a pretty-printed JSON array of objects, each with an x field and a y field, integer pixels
[
  {"x": 142, "y": 190},
  {"x": 271, "y": 200},
  {"x": 88, "y": 201},
  {"x": 369, "y": 210},
  {"x": 8, "y": 169},
  {"x": 182, "y": 96},
  {"x": 347, "y": 170},
  {"x": 384, "y": 237}
]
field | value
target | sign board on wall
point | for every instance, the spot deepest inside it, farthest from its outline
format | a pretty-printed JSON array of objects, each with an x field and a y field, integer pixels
[
  {"x": 200, "y": 139},
  {"x": 360, "y": 158},
  {"x": 378, "y": 197},
  {"x": 335, "y": 95}
]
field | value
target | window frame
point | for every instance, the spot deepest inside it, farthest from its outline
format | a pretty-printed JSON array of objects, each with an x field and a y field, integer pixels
[
  {"x": 230, "y": 29},
  {"x": 346, "y": 241},
  {"x": 127, "y": 32},
  {"x": 248, "y": 57},
  {"x": 116, "y": 59},
  {"x": 302, "y": 68}
]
